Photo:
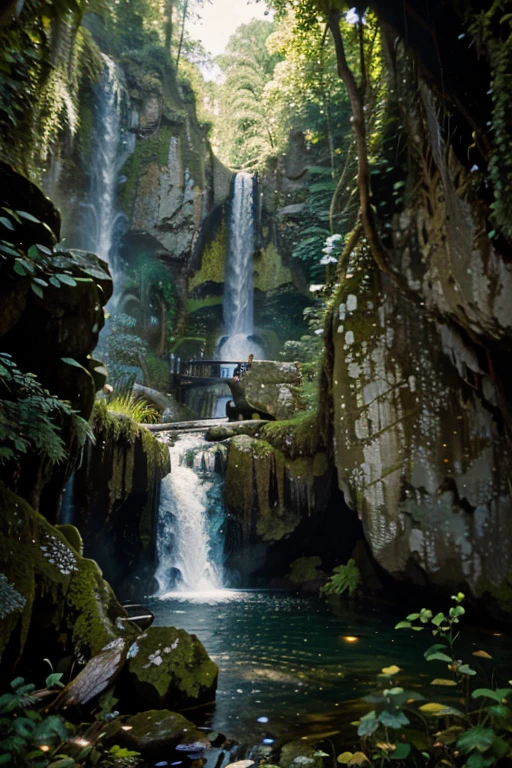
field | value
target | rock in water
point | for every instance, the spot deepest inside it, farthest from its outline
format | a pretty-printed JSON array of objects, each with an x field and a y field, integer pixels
[
  {"x": 172, "y": 668},
  {"x": 156, "y": 731}
]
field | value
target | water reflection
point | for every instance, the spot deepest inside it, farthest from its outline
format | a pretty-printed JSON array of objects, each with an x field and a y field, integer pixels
[{"x": 298, "y": 664}]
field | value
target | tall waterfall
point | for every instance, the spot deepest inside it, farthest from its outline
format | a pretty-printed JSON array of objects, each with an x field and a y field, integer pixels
[
  {"x": 190, "y": 519},
  {"x": 110, "y": 149},
  {"x": 239, "y": 278}
]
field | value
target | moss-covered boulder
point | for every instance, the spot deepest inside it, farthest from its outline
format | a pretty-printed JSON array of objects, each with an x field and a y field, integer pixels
[
  {"x": 154, "y": 732},
  {"x": 171, "y": 669},
  {"x": 115, "y": 499},
  {"x": 273, "y": 388},
  {"x": 59, "y": 602}
]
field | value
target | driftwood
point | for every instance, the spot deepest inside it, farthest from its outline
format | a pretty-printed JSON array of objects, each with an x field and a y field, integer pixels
[{"x": 95, "y": 677}]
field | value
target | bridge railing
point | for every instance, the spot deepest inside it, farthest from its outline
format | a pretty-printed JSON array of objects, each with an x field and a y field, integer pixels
[{"x": 211, "y": 369}]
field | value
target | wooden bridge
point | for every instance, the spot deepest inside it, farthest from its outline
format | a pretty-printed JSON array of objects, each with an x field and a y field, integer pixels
[{"x": 198, "y": 373}]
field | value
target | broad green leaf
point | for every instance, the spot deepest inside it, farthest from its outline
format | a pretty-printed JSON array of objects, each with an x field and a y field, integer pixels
[
  {"x": 71, "y": 361},
  {"x": 7, "y": 249},
  {"x": 403, "y": 625},
  {"x": 498, "y": 695},
  {"x": 19, "y": 268},
  {"x": 438, "y": 656},
  {"x": 28, "y": 217},
  {"x": 434, "y": 648},
  {"x": 368, "y": 724},
  {"x": 401, "y": 752},
  {"x": 412, "y": 616},
  {"x": 67, "y": 279},
  {"x": 37, "y": 290},
  {"x": 466, "y": 670},
  {"x": 438, "y": 619},
  {"x": 33, "y": 252},
  {"x": 6, "y": 223},
  {"x": 478, "y": 738},
  {"x": 390, "y": 720}
]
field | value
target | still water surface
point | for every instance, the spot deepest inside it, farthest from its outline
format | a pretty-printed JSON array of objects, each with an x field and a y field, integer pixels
[{"x": 298, "y": 660}]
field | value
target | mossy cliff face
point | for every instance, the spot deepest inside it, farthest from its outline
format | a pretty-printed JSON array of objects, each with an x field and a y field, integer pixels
[
  {"x": 172, "y": 180},
  {"x": 62, "y": 599},
  {"x": 115, "y": 499},
  {"x": 419, "y": 444},
  {"x": 268, "y": 493},
  {"x": 273, "y": 388}
]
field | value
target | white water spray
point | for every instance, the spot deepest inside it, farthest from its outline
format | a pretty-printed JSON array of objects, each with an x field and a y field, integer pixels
[{"x": 187, "y": 560}]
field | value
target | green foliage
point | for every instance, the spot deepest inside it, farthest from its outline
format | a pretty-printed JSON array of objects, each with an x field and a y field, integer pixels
[
  {"x": 345, "y": 578},
  {"x": 46, "y": 59},
  {"x": 304, "y": 569},
  {"x": 134, "y": 407},
  {"x": 24, "y": 730},
  {"x": 464, "y": 736},
  {"x": 158, "y": 370},
  {"x": 32, "y": 420},
  {"x": 121, "y": 347},
  {"x": 492, "y": 29}
]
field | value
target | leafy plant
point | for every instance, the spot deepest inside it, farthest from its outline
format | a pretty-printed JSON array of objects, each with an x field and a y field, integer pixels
[
  {"x": 452, "y": 735},
  {"x": 27, "y": 737},
  {"x": 31, "y": 419},
  {"x": 344, "y": 578},
  {"x": 135, "y": 407}
]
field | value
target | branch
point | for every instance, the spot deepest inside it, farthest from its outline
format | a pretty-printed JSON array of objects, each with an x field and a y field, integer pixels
[{"x": 377, "y": 248}]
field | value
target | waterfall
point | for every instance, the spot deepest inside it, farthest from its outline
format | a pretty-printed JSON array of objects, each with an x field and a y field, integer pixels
[
  {"x": 239, "y": 279},
  {"x": 190, "y": 518},
  {"x": 110, "y": 150}
]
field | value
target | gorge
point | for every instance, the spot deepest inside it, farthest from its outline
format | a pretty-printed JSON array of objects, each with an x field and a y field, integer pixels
[{"x": 199, "y": 568}]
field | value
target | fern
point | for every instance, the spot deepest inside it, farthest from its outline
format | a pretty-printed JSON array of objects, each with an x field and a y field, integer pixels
[
  {"x": 344, "y": 578},
  {"x": 135, "y": 407}
]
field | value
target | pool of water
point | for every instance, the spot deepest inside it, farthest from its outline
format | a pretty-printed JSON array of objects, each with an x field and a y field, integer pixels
[{"x": 299, "y": 664}]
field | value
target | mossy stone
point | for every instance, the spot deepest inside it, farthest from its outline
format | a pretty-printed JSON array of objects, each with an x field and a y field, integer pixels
[
  {"x": 156, "y": 731},
  {"x": 72, "y": 536},
  {"x": 172, "y": 668}
]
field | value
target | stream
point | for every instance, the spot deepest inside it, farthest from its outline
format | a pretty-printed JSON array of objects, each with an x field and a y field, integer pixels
[{"x": 297, "y": 665}]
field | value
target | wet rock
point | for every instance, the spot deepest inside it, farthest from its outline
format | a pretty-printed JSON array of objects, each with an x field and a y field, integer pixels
[
  {"x": 272, "y": 387},
  {"x": 172, "y": 668},
  {"x": 154, "y": 732},
  {"x": 115, "y": 495},
  {"x": 65, "y": 597}
]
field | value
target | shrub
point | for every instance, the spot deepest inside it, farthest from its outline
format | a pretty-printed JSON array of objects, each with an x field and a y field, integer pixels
[{"x": 344, "y": 577}]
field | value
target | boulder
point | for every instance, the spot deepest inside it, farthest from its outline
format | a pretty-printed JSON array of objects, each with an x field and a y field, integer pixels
[
  {"x": 172, "y": 668},
  {"x": 57, "y": 595},
  {"x": 272, "y": 387},
  {"x": 154, "y": 732}
]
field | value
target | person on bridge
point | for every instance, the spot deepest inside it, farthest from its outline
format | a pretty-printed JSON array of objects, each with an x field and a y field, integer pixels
[{"x": 242, "y": 368}]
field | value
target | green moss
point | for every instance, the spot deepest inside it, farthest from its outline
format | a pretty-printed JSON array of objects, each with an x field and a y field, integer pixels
[
  {"x": 213, "y": 261},
  {"x": 270, "y": 271},
  {"x": 88, "y": 598},
  {"x": 193, "y": 305},
  {"x": 37, "y": 559},
  {"x": 184, "y": 674},
  {"x": 304, "y": 569},
  {"x": 295, "y": 437},
  {"x": 72, "y": 536}
]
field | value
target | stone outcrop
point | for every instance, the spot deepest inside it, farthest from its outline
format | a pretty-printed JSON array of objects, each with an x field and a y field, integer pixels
[
  {"x": 50, "y": 593},
  {"x": 171, "y": 669},
  {"x": 155, "y": 732},
  {"x": 420, "y": 416},
  {"x": 273, "y": 388},
  {"x": 115, "y": 495}
]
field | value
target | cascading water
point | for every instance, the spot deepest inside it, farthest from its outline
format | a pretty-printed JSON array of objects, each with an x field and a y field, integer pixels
[
  {"x": 190, "y": 518},
  {"x": 239, "y": 281},
  {"x": 111, "y": 146}
]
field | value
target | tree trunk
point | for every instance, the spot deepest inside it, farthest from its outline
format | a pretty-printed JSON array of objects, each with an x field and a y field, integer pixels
[{"x": 363, "y": 173}]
